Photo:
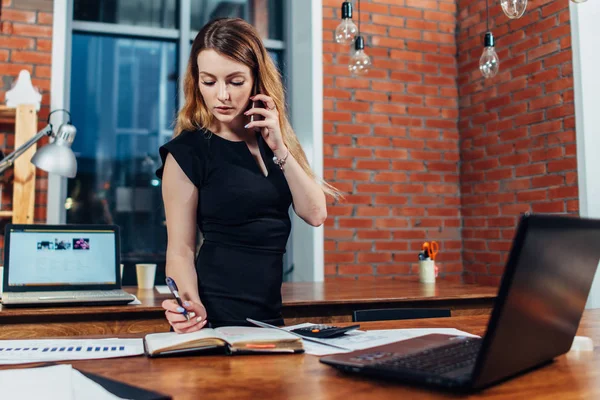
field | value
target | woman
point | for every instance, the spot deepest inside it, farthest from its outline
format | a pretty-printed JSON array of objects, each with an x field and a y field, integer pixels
[{"x": 233, "y": 169}]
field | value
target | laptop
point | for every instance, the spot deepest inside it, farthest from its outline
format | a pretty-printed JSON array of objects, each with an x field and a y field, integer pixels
[
  {"x": 62, "y": 265},
  {"x": 540, "y": 302}
]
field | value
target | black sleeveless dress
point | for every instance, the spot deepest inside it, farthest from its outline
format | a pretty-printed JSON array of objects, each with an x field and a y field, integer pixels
[{"x": 244, "y": 218}]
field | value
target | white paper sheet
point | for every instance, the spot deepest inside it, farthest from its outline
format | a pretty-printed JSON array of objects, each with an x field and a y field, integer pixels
[
  {"x": 86, "y": 389},
  {"x": 358, "y": 340},
  {"x": 135, "y": 301},
  {"x": 162, "y": 289},
  {"x": 44, "y": 350},
  {"x": 58, "y": 382}
]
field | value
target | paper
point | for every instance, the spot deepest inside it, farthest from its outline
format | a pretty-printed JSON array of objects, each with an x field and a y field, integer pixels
[
  {"x": 44, "y": 350},
  {"x": 58, "y": 382},
  {"x": 86, "y": 389},
  {"x": 358, "y": 340},
  {"x": 162, "y": 289},
  {"x": 135, "y": 301}
]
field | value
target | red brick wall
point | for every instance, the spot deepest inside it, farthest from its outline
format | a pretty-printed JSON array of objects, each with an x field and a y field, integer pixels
[
  {"x": 391, "y": 141},
  {"x": 517, "y": 130},
  {"x": 25, "y": 43}
]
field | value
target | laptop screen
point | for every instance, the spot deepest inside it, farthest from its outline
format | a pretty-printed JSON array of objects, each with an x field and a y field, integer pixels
[{"x": 66, "y": 256}]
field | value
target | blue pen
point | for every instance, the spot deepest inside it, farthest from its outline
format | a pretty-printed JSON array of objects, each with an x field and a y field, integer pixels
[{"x": 173, "y": 288}]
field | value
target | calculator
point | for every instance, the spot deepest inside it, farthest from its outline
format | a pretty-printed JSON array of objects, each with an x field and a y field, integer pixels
[{"x": 324, "y": 331}]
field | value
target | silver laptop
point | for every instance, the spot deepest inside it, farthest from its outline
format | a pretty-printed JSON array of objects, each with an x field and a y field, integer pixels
[{"x": 62, "y": 265}]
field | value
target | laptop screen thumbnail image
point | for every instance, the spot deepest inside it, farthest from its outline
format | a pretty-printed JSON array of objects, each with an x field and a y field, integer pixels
[{"x": 40, "y": 256}]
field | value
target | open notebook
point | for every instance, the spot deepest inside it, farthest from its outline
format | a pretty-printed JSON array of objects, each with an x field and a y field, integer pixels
[{"x": 232, "y": 339}]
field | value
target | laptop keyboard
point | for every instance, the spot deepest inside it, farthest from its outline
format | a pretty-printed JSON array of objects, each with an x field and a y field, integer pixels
[
  {"x": 89, "y": 294},
  {"x": 438, "y": 360}
]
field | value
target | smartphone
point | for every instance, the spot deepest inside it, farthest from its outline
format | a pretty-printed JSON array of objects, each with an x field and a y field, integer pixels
[
  {"x": 258, "y": 103},
  {"x": 256, "y": 117}
]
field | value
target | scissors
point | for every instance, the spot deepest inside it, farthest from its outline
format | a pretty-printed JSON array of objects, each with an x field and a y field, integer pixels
[{"x": 431, "y": 249}]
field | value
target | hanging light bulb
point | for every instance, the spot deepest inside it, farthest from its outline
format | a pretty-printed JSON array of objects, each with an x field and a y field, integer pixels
[
  {"x": 513, "y": 8},
  {"x": 489, "y": 63},
  {"x": 360, "y": 62},
  {"x": 346, "y": 30}
]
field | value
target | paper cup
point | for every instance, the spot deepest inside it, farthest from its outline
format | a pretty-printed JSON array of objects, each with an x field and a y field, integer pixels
[
  {"x": 1, "y": 279},
  {"x": 427, "y": 271},
  {"x": 145, "y": 275}
]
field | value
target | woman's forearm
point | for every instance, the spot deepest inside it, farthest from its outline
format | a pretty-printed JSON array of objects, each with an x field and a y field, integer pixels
[
  {"x": 183, "y": 271},
  {"x": 308, "y": 196}
]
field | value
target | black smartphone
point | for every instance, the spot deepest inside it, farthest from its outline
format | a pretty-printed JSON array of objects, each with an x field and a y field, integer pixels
[{"x": 255, "y": 104}]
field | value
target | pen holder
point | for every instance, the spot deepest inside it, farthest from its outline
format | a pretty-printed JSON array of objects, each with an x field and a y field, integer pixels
[{"x": 427, "y": 271}]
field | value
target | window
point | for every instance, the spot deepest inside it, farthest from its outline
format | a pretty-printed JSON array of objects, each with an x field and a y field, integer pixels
[
  {"x": 125, "y": 70},
  {"x": 150, "y": 13},
  {"x": 123, "y": 102}
]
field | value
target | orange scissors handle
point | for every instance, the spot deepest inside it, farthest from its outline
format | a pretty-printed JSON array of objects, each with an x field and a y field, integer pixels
[{"x": 434, "y": 248}]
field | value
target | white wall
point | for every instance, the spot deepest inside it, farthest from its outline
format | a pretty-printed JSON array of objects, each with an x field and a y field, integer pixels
[
  {"x": 585, "y": 31},
  {"x": 305, "y": 97}
]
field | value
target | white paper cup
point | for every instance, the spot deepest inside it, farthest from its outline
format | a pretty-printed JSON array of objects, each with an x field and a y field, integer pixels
[
  {"x": 145, "y": 275},
  {"x": 1, "y": 278},
  {"x": 427, "y": 271}
]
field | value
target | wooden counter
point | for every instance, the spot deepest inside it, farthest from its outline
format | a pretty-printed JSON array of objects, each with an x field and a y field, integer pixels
[
  {"x": 572, "y": 376},
  {"x": 316, "y": 302}
]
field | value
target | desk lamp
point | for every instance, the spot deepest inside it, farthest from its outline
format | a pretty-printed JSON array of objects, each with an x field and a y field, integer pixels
[{"x": 56, "y": 157}]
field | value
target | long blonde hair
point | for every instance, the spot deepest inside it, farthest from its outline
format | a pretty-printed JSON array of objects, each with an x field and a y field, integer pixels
[{"x": 238, "y": 40}]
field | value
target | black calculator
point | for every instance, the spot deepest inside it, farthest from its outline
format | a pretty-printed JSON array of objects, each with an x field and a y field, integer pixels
[{"x": 324, "y": 331}]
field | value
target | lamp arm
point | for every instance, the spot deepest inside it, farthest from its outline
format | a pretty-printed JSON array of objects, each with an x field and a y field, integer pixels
[{"x": 8, "y": 161}]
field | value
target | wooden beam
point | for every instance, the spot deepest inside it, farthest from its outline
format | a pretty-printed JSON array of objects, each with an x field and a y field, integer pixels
[{"x": 24, "y": 171}]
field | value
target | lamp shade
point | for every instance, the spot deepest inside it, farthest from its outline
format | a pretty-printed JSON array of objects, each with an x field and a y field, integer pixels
[{"x": 57, "y": 157}]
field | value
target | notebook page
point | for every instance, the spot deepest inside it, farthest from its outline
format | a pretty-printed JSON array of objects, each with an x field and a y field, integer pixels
[
  {"x": 157, "y": 341},
  {"x": 242, "y": 334}
]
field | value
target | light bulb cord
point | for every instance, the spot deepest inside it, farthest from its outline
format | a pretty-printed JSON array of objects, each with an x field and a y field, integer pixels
[
  {"x": 359, "y": 17},
  {"x": 487, "y": 14}
]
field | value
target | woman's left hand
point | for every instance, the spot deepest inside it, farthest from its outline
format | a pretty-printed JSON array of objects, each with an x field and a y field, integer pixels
[{"x": 269, "y": 126}]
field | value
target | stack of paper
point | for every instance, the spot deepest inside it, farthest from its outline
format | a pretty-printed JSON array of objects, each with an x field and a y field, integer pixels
[
  {"x": 58, "y": 382},
  {"x": 45, "y": 350},
  {"x": 359, "y": 340}
]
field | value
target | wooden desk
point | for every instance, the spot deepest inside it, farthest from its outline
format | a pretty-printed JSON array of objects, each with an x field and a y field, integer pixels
[
  {"x": 316, "y": 302},
  {"x": 334, "y": 301},
  {"x": 572, "y": 376}
]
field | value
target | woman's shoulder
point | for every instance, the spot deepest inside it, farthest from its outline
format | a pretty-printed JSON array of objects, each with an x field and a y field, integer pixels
[
  {"x": 189, "y": 150},
  {"x": 193, "y": 138}
]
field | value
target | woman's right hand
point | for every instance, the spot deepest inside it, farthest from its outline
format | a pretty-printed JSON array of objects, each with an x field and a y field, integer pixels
[{"x": 177, "y": 320}]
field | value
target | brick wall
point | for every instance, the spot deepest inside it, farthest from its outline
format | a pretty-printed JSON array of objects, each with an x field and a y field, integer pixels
[
  {"x": 25, "y": 43},
  {"x": 517, "y": 130},
  {"x": 391, "y": 141}
]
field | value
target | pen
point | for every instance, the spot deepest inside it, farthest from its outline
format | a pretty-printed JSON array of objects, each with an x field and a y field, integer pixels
[
  {"x": 173, "y": 288},
  {"x": 308, "y": 339}
]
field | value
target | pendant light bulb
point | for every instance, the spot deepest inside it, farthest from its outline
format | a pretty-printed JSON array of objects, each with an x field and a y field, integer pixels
[
  {"x": 360, "y": 62},
  {"x": 489, "y": 63},
  {"x": 346, "y": 31},
  {"x": 513, "y": 8}
]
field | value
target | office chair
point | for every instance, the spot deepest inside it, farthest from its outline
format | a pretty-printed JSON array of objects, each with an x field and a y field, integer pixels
[{"x": 387, "y": 314}]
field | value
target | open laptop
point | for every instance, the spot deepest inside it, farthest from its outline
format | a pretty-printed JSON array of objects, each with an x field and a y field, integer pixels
[
  {"x": 540, "y": 302},
  {"x": 62, "y": 265}
]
